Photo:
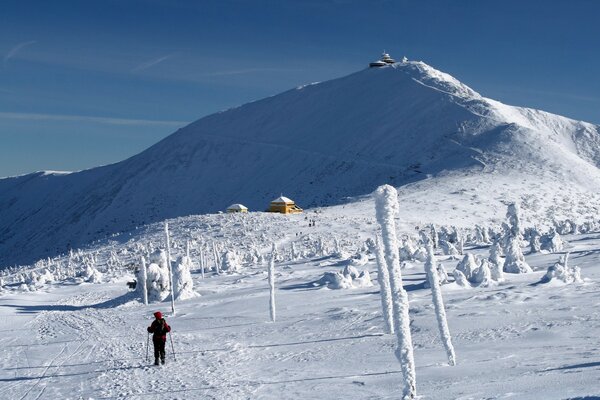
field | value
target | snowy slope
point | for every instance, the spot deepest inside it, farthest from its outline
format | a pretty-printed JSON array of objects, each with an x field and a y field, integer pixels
[{"x": 318, "y": 144}]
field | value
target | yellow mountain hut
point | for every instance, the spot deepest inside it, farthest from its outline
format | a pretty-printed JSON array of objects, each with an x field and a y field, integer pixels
[{"x": 284, "y": 205}]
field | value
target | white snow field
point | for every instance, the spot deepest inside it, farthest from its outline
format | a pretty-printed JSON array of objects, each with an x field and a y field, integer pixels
[
  {"x": 407, "y": 125},
  {"x": 519, "y": 339}
]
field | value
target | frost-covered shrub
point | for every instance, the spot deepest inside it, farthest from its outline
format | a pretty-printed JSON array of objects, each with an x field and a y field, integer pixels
[
  {"x": 350, "y": 271},
  {"x": 563, "y": 272},
  {"x": 566, "y": 227},
  {"x": 362, "y": 280},
  {"x": 448, "y": 248},
  {"x": 552, "y": 242},
  {"x": 460, "y": 278},
  {"x": 347, "y": 278},
  {"x": 481, "y": 235},
  {"x": 336, "y": 280},
  {"x": 358, "y": 260},
  {"x": 230, "y": 262},
  {"x": 407, "y": 250},
  {"x": 182, "y": 278},
  {"x": 467, "y": 266},
  {"x": 482, "y": 275},
  {"x": 471, "y": 271},
  {"x": 91, "y": 274}
]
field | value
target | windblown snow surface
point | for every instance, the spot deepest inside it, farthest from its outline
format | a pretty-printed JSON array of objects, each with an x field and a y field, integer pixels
[
  {"x": 408, "y": 125},
  {"x": 517, "y": 340}
]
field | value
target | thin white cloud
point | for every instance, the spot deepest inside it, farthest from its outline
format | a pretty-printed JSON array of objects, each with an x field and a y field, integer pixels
[
  {"x": 85, "y": 118},
  {"x": 13, "y": 52},
  {"x": 151, "y": 63}
]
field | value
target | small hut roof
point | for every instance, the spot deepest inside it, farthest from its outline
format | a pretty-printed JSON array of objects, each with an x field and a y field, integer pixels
[
  {"x": 283, "y": 199},
  {"x": 237, "y": 206}
]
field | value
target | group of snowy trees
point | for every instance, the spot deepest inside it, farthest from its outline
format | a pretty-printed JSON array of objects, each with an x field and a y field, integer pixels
[{"x": 505, "y": 256}]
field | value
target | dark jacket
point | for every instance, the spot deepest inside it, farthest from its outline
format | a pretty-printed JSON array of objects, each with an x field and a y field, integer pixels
[{"x": 159, "y": 329}]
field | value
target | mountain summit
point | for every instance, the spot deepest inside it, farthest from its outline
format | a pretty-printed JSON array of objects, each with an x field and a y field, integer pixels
[{"x": 403, "y": 123}]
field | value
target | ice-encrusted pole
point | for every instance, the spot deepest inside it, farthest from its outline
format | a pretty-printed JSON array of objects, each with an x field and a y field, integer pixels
[
  {"x": 170, "y": 267},
  {"x": 272, "y": 282},
  {"x": 383, "y": 277},
  {"x": 202, "y": 262},
  {"x": 144, "y": 281},
  {"x": 386, "y": 209},
  {"x": 438, "y": 302}
]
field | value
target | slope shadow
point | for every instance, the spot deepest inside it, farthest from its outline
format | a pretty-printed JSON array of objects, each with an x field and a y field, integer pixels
[
  {"x": 33, "y": 309},
  {"x": 315, "y": 285},
  {"x": 101, "y": 371},
  {"x": 575, "y": 366}
]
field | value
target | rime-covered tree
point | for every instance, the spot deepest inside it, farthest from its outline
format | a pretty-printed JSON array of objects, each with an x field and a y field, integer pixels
[
  {"x": 182, "y": 279},
  {"x": 496, "y": 262},
  {"x": 515, "y": 261}
]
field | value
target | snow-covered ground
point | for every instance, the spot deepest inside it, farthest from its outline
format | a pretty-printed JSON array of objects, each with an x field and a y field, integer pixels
[{"x": 518, "y": 340}]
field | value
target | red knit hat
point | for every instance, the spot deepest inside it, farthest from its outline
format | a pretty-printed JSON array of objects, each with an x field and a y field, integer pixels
[{"x": 158, "y": 315}]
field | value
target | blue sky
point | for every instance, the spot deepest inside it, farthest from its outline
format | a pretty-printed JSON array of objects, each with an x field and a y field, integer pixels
[{"x": 86, "y": 83}]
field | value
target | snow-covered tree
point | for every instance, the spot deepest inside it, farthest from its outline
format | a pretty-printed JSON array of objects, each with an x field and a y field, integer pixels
[
  {"x": 515, "y": 261},
  {"x": 496, "y": 262},
  {"x": 448, "y": 248},
  {"x": 182, "y": 278},
  {"x": 562, "y": 271},
  {"x": 438, "y": 303},
  {"x": 434, "y": 237},
  {"x": 467, "y": 266},
  {"x": 157, "y": 276},
  {"x": 460, "y": 242},
  {"x": 534, "y": 241},
  {"x": 230, "y": 262},
  {"x": 386, "y": 210},
  {"x": 552, "y": 242}
]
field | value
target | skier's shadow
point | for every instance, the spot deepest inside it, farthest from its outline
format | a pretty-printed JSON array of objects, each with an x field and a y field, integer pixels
[{"x": 33, "y": 309}]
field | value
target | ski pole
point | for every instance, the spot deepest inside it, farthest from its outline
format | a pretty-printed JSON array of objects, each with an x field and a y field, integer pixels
[
  {"x": 147, "y": 344},
  {"x": 172, "y": 348}
]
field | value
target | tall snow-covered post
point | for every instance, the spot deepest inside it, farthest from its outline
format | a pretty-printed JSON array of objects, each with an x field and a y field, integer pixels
[
  {"x": 386, "y": 209},
  {"x": 272, "y": 282},
  {"x": 383, "y": 277},
  {"x": 438, "y": 303},
  {"x": 144, "y": 281},
  {"x": 170, "y": 267},
  {"x": 202, "y": 262}
]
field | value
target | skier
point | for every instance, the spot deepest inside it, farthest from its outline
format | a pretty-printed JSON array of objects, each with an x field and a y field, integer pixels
[{"x": 159, "y": 329}]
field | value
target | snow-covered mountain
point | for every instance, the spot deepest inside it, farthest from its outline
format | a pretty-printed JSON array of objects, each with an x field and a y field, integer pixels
[{"x": 406, "y": 124}]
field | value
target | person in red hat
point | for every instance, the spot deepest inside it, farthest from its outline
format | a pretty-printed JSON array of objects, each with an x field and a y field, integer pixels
[{"x": 159, "y": 329}]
